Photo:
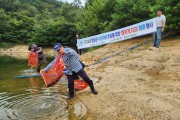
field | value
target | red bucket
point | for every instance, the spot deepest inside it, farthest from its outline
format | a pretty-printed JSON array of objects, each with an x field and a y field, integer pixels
[{"x": 80, "y": 85}]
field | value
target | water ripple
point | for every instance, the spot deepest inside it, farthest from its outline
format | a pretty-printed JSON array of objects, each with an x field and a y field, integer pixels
[{"x": 32, "y": 106}]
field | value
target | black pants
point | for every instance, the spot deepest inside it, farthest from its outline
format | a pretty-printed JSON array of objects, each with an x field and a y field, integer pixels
[
  {"x": 39, "y": 67},
  {"x": 80, "y": 52},
  {"x": 82, "y": 74},
  {"x": 75, "y": 76},
  {"x": 40, "y": 62}
]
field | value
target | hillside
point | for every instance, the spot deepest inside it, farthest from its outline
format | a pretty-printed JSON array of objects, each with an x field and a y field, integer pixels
[{"x": 141, "y": 84}]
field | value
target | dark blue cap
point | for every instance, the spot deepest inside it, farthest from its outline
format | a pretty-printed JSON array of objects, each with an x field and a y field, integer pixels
[{"x": 57, "y": 46}]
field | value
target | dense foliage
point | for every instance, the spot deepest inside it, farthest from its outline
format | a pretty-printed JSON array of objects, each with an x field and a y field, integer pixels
[
  {"x": 48, "y": 21},
  {"x": 38, "y": 21}
]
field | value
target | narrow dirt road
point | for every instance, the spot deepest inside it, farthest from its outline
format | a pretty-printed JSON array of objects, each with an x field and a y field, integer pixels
[{"x": 143, "y": 84}]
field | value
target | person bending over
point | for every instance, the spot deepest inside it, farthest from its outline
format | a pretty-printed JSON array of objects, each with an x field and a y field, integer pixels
[{"x": 72, "y": 65}]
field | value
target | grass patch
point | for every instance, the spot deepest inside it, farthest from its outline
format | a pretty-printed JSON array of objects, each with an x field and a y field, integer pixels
[{"x": 94, "y": 48}]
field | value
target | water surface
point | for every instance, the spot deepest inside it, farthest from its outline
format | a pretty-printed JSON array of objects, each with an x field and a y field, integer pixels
[{"x": 27, "y": 98}]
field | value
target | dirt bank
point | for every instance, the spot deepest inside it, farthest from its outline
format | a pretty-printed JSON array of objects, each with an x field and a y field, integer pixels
[
  {"x": 21, "y": 51},
  {"x": 139, "y": 85}
]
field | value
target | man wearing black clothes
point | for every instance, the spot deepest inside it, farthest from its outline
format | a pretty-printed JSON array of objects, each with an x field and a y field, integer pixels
[{"x": 41, "y": 56}]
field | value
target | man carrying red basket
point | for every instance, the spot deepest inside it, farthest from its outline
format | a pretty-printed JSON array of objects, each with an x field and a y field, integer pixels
[{"x": 73, "y": 65}]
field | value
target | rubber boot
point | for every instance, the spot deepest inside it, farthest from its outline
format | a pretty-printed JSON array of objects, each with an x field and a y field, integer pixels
[
  {"x": 92, "y": 89},
  {"x": 71, "y": 92},
  {"x": 38, "y": 68}
]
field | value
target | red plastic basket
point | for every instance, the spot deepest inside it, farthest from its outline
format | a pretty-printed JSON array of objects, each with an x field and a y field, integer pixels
[
  {"x": 33, "y": 59},
  {"x": 55, "y": 73}
]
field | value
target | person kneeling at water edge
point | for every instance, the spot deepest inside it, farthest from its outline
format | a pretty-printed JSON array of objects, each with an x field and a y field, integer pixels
[{"x": 72, "y": 64}]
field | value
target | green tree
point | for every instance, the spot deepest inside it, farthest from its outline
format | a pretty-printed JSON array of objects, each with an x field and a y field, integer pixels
[
  {"x": 48, "y": 21},
  {"x": 5, "y": 26},
  {"x": 130, "y": 12},
  {"x": 96, "y": 17},
  {"x": 171, "y": 11}
]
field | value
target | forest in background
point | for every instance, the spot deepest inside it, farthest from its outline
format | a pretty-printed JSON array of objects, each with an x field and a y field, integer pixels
[{"x": 46, "y": 22}]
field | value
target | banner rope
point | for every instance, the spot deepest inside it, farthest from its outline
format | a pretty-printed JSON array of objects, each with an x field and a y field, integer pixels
[{"x": 131, "y": 48}]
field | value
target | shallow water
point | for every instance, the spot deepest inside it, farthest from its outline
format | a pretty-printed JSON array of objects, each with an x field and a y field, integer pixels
[{"x": 27, "y": 98}]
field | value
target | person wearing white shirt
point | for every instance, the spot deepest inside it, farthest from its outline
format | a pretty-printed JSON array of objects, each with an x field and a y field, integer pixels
[{"x": 160, "y": 23}]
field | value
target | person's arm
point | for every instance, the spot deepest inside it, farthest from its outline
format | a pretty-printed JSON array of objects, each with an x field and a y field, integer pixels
[
  {"x": 40, "y": 50},
  {"x": 50, "y": 64},
  {"x": 164, "y": 24}
]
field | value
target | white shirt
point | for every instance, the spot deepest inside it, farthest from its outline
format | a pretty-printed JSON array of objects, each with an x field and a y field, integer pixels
[{"x": 160, "y": 20}]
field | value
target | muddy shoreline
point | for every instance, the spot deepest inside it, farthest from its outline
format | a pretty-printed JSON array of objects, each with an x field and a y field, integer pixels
[
  {"x": 140, "y": 84},
  {"x": 21, "y": 51}
]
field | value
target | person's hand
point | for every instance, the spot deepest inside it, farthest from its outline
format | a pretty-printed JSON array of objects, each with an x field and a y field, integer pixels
[
  {"x": 38, "y": 51},
  {"x": 64, "y": 67},
  {"x": 65, "y": 72},
  {"x": 43, "y": 71}
]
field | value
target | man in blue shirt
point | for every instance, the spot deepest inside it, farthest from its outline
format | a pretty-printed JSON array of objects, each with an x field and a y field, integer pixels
[{"x": 72, "y": 64}]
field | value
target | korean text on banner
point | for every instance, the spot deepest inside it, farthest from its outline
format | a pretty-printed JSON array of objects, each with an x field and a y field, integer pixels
[{"x": 125, "y": 33}]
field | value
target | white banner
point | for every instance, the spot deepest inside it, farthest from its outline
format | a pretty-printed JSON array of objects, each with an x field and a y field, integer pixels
[{"x": 129, "y": 32}]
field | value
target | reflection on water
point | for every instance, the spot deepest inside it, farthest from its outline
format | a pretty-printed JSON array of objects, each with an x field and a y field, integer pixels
[{"x": 27, "y": 98}]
